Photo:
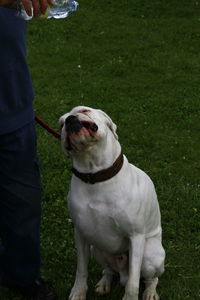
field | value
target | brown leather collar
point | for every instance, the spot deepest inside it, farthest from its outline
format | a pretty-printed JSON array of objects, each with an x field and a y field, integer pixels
[{"x": 102, "y": 175}]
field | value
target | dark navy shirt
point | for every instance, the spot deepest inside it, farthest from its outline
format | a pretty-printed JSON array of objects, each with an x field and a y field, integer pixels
[{"x": 16, "y": 92}]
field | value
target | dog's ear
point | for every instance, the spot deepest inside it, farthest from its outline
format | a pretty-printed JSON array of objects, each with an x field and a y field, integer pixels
[
  {"x": 111, "y": 125},
  {"x": 61, "y": 122}
]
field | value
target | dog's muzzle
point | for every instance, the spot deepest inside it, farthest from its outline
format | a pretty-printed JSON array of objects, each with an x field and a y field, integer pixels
[
  {"x": 74, "y": 125},
  {"x": 76, "y": 128}
]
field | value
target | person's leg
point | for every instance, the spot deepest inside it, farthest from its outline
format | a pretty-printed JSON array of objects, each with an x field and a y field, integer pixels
[{"x": 20, "y": 206}]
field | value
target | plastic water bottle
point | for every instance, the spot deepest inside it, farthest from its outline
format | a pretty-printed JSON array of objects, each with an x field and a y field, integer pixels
[{"x": 59, "y": 10}]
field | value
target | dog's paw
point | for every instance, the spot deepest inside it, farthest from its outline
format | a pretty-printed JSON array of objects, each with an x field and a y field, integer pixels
[
  {"x": 103, "y": 286},
  {"x": 78, "y": 295},
  {"x": 150, "y": 294},
  {"x": 130, "y": 297}
]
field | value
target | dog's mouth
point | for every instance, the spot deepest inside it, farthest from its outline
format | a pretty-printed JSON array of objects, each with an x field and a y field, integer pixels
[
  {"x": 78, "y": 131},
  {"x": 90, "y": 126},
  {"x": 74, "y": 125}
]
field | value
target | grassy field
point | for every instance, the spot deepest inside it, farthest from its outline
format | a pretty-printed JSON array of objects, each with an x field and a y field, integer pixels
[{"x": 140, "y": 62}]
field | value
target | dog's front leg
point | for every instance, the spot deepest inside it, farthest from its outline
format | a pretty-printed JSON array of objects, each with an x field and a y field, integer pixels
[
  {"x": 79, "y": 289},
  {"x": 136, "y": 250}
]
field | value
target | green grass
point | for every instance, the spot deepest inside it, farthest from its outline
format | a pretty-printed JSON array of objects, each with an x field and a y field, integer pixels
[{"x": 139, "y": 61}]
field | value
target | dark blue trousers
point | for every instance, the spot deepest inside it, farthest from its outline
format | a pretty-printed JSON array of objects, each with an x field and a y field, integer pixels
[{"x": 20, "y": 206}]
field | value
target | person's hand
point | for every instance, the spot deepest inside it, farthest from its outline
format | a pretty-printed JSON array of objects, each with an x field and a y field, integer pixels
[
  {"x": 36, "y": 7},
  {"x": 7, "y": 3}
]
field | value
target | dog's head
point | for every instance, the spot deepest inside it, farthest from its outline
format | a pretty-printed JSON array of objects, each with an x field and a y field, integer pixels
[{"x": 83, "y": 127}]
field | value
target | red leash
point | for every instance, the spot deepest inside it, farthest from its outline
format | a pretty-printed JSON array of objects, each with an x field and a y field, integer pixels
[{"x": 47, "y": 127}]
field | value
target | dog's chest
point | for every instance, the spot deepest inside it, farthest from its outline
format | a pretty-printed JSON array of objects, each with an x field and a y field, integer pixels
[{"x": 99, "y": 220}]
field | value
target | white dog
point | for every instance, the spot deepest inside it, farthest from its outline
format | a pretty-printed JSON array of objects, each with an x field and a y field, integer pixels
[{"x": 113, "y": 206}]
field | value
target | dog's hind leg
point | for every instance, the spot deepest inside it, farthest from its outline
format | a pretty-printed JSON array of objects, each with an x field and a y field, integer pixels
[
  {"x": 104, "y": 285},
  {"x": 150, "y": 290},
  {"x": 152, "y": 266}
]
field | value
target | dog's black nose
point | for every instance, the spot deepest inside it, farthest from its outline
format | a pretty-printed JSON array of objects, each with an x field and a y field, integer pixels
[
  {"x": 70, "y": 119},
  {"x": 72, "y": 124}
]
